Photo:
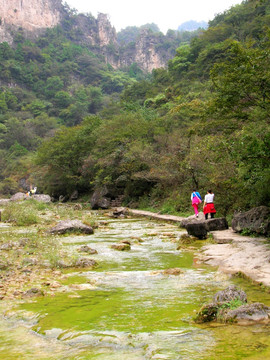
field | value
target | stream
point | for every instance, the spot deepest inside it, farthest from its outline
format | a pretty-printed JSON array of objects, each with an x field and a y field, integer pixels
[{"x": 129, "y": 307}]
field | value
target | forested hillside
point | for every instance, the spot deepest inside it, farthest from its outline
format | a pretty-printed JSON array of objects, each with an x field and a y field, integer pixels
[{"x": 203, "y": 122}]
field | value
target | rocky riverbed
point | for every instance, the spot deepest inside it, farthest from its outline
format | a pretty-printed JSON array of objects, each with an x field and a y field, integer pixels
[
  {"x": 231, "y": 252},
  {"x": 136, "y": 300}
]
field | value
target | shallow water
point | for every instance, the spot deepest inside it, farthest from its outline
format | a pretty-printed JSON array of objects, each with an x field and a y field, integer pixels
[{"x": 129, "y": 309}]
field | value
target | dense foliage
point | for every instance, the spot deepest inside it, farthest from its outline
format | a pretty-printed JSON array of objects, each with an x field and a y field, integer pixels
[{"x": 203, "y": 122}]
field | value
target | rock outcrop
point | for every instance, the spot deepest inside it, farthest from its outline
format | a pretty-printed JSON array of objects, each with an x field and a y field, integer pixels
[
  {"x": 256, "y": 220},
  {"x": 30, "y": 15},
  {"x": 100, "y": 199}
]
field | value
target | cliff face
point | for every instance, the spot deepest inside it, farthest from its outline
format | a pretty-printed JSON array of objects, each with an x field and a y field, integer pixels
[
  {"x": 30, "y": 15},
  {"x": 34, "y": 16},
  {"x": 146, "y": 55}
]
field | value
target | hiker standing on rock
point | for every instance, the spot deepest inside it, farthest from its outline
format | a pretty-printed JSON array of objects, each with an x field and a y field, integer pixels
[
  {"x": 208, "y": 205},
  {"x": 195, "y": 201}
]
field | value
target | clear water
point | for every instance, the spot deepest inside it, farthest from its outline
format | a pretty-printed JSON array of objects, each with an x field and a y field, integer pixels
[{"x": 128, "y": 308}]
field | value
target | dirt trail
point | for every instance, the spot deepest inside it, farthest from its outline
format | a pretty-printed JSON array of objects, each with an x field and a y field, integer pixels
[{"x": 232, "y": 252}]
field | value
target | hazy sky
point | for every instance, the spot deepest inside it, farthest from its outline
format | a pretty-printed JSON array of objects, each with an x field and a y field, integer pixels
[{"x": 167, "y": 14}]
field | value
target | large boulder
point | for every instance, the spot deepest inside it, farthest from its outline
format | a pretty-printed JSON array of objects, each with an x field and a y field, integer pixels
[
  {"x": 66, "y": 226},
  {"x": 192, "y": 219},
  {"x": 229, "y": 294},
  {"x": 100, "y": 199},
  {"x": 199, "y": 228},
  {"x": 256, "y": 220},
  {"x": 74, "y": 195},
  {"x": 216, "y": 224},
  {"x": 249, "y": 314},
  {"x": 40, "y": 198},
  {"x": 18, "y": 196}
]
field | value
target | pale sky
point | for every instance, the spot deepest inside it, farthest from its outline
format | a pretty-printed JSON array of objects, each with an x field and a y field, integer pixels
[{"x": 167, "y": 14}]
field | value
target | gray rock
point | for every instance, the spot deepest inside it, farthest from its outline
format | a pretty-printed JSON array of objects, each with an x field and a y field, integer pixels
[
  {"x": 30, "y": 261},
  {"x": 192, "y": 219},
  {"x": 120, "y": 211},
  {"x": 66, "y": 226},
  {"x": 7, "y": 246},
  {"x": 99, "y": 199},
  {"x": 256, "y": 220},
  {"x": 87, "y": 249},
  {"x": 197, "y": 229},
  {"x": 121, "y": 247},
  {"x": 250, "y": 313},
  {"x": 207, "y": 313},
  {"x": 33, "y": 292},
  {"x": 74, "y": 195},
  {"x": 224, "y": 309},
  {"x": 77, "y": 207},
  {"x": 62, "y": 198},
  {"x": 4, "y": 201},
  {"x": 40, "y": 198},
  {"x": 85, "y": 262},
  {"x": 62, "y": 264},
  {"x": 229, "y": 294},
  {"x": 216, "y": 224},
  {"x": 18, "y": 197}
]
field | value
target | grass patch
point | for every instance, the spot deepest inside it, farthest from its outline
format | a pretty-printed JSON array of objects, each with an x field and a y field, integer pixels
[{"x": 20, "y": 214}]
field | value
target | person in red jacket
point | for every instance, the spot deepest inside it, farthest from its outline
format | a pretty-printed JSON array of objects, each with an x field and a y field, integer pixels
[{"x": 208, "y": 205}]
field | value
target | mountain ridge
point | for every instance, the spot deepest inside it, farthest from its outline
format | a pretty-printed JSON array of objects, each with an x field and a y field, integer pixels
[{"x": 31, "y": 18}]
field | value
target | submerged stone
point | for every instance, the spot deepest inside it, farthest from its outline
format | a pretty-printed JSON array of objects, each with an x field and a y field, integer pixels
[
  {"x": 174, "y": 271},
  {"x": 121, "y": 247},
  {"x": 85, "y": 262},
  {"x": 87, "y": 249}
]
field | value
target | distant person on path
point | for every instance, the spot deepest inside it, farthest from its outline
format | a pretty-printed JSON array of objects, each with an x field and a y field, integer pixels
[
  {"x": 33, "y": 191},
  {"x": 195, "y": 201},
  {"x": 208, "y": 205}
]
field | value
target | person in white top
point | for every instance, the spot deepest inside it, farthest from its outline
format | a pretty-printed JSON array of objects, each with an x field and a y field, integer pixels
[{"x": 208, "y": 205}]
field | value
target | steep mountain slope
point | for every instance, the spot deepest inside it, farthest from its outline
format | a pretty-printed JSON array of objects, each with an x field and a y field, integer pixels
[{"x": 31, "y": 18}]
